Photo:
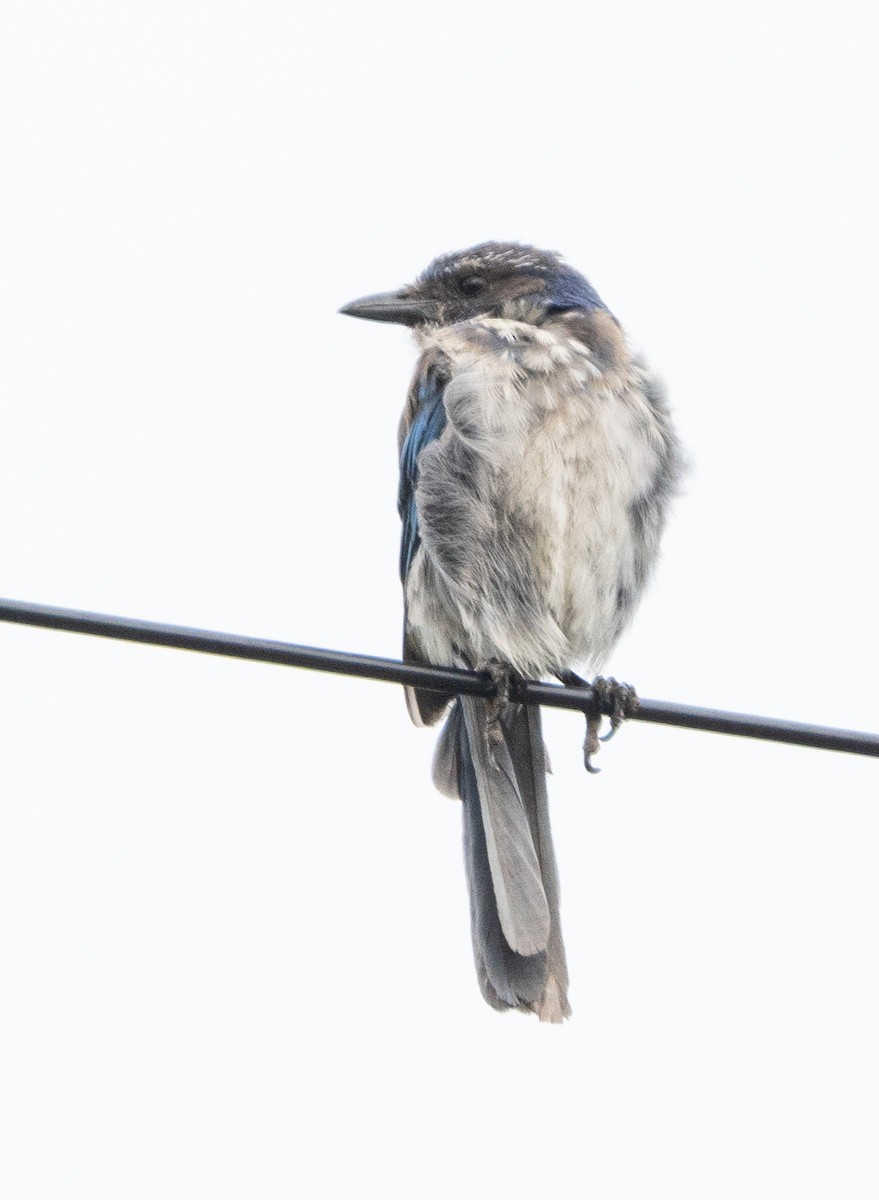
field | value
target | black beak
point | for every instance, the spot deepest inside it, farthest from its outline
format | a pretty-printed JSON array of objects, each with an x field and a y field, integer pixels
[{"x": 396, "y": 307}]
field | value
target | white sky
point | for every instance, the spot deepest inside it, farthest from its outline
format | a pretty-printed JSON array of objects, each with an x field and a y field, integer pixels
[{"x": 234, "y": 939}]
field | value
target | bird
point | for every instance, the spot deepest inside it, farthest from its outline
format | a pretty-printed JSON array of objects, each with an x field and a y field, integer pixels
[{"x": 538, "y": 461}]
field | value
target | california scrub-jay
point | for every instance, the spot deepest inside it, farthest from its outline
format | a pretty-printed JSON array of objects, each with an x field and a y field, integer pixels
[{"x": 537, "y": 461}]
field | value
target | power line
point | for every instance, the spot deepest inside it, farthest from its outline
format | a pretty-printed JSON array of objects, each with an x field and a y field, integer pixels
[{"x": 442, "y": 679}]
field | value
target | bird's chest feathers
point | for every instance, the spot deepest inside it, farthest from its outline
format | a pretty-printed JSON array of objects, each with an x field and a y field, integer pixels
[
  {"x": 549, "y": 435},
  {"x": 526, "y": 499}
]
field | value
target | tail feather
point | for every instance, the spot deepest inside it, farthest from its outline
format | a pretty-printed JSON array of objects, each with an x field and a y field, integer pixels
[
  {"x": 511, "y": 871},
  {"x": 508, "y": 821},
  {"x": 527, "y": 747}
]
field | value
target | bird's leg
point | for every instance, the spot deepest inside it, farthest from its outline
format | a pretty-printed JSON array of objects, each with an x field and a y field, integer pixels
[
  {"x": 618, "y": 700},
  {"x": 501, "y": 706}
]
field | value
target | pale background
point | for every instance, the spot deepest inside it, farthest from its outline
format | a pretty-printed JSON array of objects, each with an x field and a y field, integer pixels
[{"x": 234, "y": 943}]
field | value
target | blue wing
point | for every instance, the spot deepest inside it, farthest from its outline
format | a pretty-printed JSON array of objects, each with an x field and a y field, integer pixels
[
  {"x": 426, "y": 417},
  {"x": 428, "y": 422}
]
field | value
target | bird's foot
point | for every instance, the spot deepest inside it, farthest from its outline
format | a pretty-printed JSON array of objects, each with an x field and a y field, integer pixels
[
  {"x": 609, "y": 698},
  {"x": 501, "y": 706},
  {"x": 620, "y": 698}
]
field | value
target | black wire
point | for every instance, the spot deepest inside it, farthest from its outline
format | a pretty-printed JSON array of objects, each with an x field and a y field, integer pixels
[{"x": 442, "y": 679}]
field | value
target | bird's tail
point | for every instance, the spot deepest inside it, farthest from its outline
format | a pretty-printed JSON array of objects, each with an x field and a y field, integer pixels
[{"x": 508, "y": 855}]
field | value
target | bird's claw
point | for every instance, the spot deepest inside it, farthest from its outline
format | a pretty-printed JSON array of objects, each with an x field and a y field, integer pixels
[
  {"x": 623, "y": 701},
  {"x": 591, "y": 743},
  {"x": 616, "y": 700}
]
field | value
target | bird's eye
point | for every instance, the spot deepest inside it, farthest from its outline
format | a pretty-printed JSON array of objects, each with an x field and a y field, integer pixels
[{"x": 472, "y": 285}]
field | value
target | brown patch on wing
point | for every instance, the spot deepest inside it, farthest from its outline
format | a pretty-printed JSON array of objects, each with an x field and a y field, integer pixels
[{"x": 601, "y": 332}]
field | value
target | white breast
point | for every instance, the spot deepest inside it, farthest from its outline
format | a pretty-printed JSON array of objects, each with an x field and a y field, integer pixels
[{"x": 561, "y": 450}]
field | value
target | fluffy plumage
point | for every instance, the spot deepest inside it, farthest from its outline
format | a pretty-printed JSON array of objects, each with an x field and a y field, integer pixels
[{"x": 537, "y": 459}]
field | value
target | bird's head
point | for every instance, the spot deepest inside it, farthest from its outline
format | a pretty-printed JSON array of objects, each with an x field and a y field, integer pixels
[{"x": 495, "y": 279}]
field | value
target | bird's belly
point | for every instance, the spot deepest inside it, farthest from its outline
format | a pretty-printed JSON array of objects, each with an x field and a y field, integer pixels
[{"x": 575, "y": 492}]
